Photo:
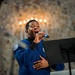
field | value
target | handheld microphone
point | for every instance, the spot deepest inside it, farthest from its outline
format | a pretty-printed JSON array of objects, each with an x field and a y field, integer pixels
[{"x": 46, "y": 36}]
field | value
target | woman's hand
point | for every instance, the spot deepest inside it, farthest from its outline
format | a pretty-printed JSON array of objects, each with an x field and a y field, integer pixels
[{"x": 43, "y": 63}]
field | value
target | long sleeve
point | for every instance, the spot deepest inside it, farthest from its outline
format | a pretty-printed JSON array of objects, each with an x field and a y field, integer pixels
[
  {"x": 23, "y": 55},
  {"x": 33, "y": 45},
  {"x": 58, "y": 67}
]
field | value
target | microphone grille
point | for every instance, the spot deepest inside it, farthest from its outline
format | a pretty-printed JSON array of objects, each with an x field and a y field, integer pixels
[{"x": 46, "y": 36}]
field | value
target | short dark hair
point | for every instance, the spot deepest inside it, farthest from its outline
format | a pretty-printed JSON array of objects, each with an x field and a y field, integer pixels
[{"x": 27, "y": 25}]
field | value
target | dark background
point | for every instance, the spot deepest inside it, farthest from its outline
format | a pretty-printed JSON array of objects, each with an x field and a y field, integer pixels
[{"x": 1, "y": 1}]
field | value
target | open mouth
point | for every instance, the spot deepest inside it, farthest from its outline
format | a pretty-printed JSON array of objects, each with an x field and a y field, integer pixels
[{"x": 36, "y": 31}]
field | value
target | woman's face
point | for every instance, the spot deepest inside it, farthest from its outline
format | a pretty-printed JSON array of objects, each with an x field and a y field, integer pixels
[{"x": 33, "y": 29}]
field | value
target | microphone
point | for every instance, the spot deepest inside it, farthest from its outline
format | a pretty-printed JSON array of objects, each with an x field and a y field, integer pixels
[{"x": 46, "y": 36}]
